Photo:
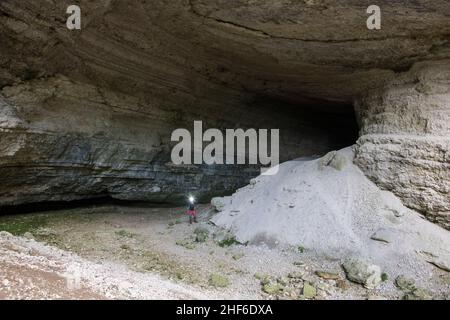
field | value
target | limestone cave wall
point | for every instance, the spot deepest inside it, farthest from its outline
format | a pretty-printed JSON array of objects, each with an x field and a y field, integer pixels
[{"x": 88, "y": 113}]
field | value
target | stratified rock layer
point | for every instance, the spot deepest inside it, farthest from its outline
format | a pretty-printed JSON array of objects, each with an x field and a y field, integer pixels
[
  {"x": 63, "y": 140},
  {"x": 405, "y": 138},
  {"x": 313, "y": 51}
]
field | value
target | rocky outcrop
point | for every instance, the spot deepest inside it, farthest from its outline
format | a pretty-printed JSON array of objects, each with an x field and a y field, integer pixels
[{"x": 405, "y": 138}]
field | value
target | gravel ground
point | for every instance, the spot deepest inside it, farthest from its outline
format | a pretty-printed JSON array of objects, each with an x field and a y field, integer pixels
[
  {"x": 32, "y": 270},
  {"x": 112, "y": 252}
]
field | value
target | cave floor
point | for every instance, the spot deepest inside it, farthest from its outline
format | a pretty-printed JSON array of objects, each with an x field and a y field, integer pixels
[{"x": 147, "y": 253}]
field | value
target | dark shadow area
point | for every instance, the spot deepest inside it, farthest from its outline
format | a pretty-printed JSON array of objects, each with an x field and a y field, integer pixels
[
  {"x": 336, "y": 121},
  {"x": 85, "y": 203}
]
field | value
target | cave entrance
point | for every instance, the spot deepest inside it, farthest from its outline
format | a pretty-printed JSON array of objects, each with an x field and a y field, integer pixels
[{"x": 308, "y": 127}]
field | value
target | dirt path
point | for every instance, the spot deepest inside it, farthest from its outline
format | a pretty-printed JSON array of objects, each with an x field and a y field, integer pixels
[
  {"x": 26, "y": 282},
  {"x": 32, "y": 270}
]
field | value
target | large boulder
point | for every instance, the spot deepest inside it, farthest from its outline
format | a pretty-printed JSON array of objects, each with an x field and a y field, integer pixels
[{"x": 362, "y": 272}]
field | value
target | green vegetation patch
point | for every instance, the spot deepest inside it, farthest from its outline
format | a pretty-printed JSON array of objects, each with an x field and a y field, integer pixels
[
  {"x": 218, "y": 281},
  {"x": 228, "y": 241},
  {"x": 301, "y": 249},
  {"x": 20, "y": 224}
]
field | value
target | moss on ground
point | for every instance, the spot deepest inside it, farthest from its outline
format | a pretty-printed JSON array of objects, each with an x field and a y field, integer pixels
[
  {"x": 40, "y": 225},
  {"x": 301, "y": 249},
  {"x": 218, "y": 281},
  {"x": 228, "y": 241},
  {"x": 20, "y": 224}
]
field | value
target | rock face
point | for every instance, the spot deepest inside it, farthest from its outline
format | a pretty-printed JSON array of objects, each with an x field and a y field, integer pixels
[
  {"x": 405, "y": 138},
  {"x": 311, "y": 52},
  {"x": 63, "y": 140},
  {"x": 89, "y": 113}
]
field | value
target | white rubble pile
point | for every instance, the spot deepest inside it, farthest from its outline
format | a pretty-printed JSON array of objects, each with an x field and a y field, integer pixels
[{"x": 330, "y": 208}]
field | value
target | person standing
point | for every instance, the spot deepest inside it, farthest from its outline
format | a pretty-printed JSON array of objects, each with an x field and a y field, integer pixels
[{"x": 192, "y": 213}]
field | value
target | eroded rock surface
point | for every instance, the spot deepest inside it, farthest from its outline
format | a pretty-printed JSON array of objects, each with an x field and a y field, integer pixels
[
  {"x": 305, "y": 51},
  {"x": 405, "y": 138}
]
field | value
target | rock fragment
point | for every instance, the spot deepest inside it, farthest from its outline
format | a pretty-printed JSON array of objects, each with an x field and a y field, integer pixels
[
  {"x": 362, "y": 272},
  {"x": 405, "y": 284}
]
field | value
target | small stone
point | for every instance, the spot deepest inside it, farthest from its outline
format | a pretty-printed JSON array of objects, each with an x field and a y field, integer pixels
[
  {"x": 5, "y": 283},
  {"x": 44, "y": 232},
  {"x": 309, "y": 291},
  {"x": 272, "y": 288},
  {"x": 296, "y": 275},
  {"x": 291, "y": 293},
  {"x": 341, "y": 284},
  {"x": 308, "y": 278},
  {"x": 4, "y": 234},
  {"x": 258, "y": 276},
  {"x": 361, "y": 272},
  {"x": 218, "y": 281},
  {"x": 323, "y": 287},
  {"x": 283, "y": 281},
  {"x": 28, "y": 235},
  {"x": 405, "y": 284},
  {"x": 327, "y": 275},
  {"x": 418, "y": 294}
]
